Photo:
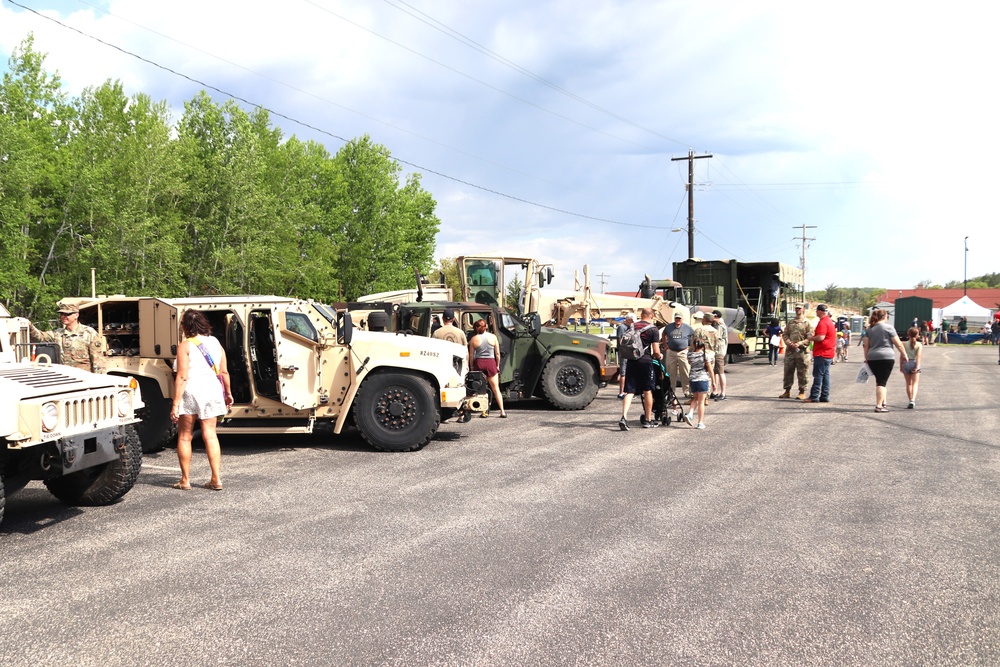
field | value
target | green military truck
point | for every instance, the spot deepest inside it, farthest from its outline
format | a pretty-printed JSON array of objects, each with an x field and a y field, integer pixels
[
  {"x": 69, "y": 428},
  {"x": 565, "y": 368},
  {"x": 293, "y": 364},
  {"x": 761, "y": 290}
]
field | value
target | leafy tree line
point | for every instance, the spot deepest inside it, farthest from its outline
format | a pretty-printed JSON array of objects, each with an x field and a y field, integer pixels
[
  {"x": 863, "y": 298},
  {"x": 855, "y": 298},
  {"x": 985, "y": 281},
  {"x": 217, "y": 203}
]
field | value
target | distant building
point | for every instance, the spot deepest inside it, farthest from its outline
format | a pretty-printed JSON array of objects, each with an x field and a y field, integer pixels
[{"x": 942, "y": 298}]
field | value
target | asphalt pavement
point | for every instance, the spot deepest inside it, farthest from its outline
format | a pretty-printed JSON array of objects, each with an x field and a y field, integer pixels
[{"x": 782, "y": 534}]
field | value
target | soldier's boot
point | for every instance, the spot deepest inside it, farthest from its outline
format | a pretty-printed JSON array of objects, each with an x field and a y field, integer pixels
[
  {"x": 787, "y": 394},
  {"x": 802, "y": 396}
]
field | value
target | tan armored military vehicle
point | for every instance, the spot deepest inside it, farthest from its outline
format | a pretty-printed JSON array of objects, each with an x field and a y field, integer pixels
[
  {"x": 67, "y": 427},
  {"x": 293, "y": 365}
]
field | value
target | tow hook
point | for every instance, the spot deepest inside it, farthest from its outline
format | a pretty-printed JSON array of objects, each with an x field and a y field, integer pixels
[
  {"x": 46, "y": 461},
  {"x": 68, "y": 456},
  {"x": 118, "y": 439}
]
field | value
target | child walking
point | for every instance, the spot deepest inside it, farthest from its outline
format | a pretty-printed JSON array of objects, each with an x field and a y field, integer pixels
[
  {"x": 699, "y": 359},
  {"x": 911, "y": 365}
]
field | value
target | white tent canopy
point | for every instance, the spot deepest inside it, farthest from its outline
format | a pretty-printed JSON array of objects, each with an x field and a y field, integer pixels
[{"x": 966, "y": 307}]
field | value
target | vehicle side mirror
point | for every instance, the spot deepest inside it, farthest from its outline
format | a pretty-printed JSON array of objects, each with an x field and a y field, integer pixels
[
  {"x": 548, "y": 276},
  {"x": 534, "y": 323},
  {"x": 345, "y": 328}
]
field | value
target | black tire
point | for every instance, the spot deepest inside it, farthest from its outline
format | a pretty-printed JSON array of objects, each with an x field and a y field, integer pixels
[
  {"x": 106, "y": 483},
  {"x": 569, "y": 382},
  {"x": 396, "y": 412},
  {"x": 156, "y": 431},
  {"x": 3, "y": 497}
]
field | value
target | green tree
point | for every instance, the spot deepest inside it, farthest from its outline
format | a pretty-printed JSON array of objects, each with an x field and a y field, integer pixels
[
  {"x": 121, "y": 204},
  {"x": 383, "y": 231},
  {"x": 448, "y": 266},
  {"x": 219, "y": 203},
  {"x": 34, "y": 124},
  {"x": 512, "y": 295},
  {"x": 239, "y": 237},
  {"x": 831, "y": 294}
]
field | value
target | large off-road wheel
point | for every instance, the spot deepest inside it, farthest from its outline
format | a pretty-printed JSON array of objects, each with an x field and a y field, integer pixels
[
  {"x": 569, "y": 382},
  {"x": 106, "y": 483},
  {"x": 3, "y": 497},
  {"x": 396, "y": 412},
  {"x": 156, "y": 431}
]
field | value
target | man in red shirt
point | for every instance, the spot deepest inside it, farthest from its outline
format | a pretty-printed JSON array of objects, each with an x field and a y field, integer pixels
[{"x": 824, "y": 340}]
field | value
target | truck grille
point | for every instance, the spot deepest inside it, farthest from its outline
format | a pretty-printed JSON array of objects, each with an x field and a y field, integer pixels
[{"x": 88, "y": 411}]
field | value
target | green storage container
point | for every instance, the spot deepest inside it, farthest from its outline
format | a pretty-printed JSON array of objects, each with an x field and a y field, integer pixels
[{"x": 909, "y": 307}]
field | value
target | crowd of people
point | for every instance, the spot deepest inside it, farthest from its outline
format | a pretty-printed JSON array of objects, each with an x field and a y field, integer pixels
[
  {"x": 693, "y": 359},
  {"x": 694, "y": 363}
]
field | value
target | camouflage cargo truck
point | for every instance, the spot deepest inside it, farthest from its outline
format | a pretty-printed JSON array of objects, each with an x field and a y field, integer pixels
[
  {"x": 69, "y": 428},
  {"x": 293, "y": 365}
]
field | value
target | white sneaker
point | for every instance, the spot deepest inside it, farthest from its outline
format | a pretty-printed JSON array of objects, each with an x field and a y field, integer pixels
[{"x": 700, "y": 425}]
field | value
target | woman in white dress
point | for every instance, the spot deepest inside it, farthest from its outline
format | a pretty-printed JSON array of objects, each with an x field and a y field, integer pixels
[{"x": 202, "y": 392}]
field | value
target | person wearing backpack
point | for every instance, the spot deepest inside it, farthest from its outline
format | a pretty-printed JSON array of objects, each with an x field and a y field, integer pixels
[
  {"x": 640, "y": 374},
  {"x": 624, "y": 328}
]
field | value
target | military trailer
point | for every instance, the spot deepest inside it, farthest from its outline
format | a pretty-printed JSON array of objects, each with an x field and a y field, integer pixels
[
  {"x": 565, "y": 368},
  {"x": 72, "y": 429},
  {"x": 293, "y": 364}
]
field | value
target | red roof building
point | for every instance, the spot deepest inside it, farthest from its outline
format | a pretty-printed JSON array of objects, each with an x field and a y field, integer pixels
[{"x": 987, "y": 298}]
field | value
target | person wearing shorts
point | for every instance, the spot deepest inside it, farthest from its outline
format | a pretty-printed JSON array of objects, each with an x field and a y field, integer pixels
[
  {"x": 484, "y": 356},
  {"x": 640, "y": 376},
  {"x": 879, "y": 354},
  {"x": 700, "y": 361},
  {"x": 629, "y": 322}
]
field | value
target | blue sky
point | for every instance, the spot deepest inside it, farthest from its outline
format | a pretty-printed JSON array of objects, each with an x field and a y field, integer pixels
[{"x": 874, "y": 122}]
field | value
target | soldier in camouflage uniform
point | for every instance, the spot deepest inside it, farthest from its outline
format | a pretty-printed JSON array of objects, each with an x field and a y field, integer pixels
[
  {"x": 797, "y": 351},
  {"x": 80, "y": 345}
]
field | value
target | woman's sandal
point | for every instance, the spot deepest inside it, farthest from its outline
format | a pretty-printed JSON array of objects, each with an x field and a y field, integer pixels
[
  {"x": 213, "y": 487},
  {"x": 178, "y": 485},
  {"x": 503, "y": 415}
]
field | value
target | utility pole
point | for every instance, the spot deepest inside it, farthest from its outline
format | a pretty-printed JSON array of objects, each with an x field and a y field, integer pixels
[
  {"x": 804, "y": 227},
  {"x": 691, "y": 157},
  {"x": 603, "y": 281}
]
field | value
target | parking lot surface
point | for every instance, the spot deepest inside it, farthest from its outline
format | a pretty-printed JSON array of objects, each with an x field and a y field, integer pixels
[{"x": 782, "y": 534}]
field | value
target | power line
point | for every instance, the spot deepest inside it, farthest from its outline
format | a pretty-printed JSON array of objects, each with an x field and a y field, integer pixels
[
  {"x": 472, "y": 78},
  {"x": 327, "y": 132},
  {"x": 471, "y": 43},
  {"x": 338, "y": 105}
]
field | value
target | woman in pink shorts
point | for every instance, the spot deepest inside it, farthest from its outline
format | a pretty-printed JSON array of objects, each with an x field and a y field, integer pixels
[{"x": 484, "y": 356}]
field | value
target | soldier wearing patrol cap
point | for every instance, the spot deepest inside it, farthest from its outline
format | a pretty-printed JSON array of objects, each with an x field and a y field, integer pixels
[
  {"x": 79, "y": 345},
  {"x": 796, "y": 339}
]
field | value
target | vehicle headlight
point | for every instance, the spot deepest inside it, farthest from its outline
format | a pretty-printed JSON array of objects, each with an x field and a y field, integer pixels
[
  {"x": 50, "y": 416},
  {"x": 124, "y": 404}
]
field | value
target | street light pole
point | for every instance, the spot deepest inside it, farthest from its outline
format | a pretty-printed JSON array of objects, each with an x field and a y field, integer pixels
[{"x": 965, "y": 270}]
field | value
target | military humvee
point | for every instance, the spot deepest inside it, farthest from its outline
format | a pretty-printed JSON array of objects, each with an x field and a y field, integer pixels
[
  {"x": 565, "y": 368},
  {"x": 67, "y": 427},
  {"x": 292, "y": 363}
]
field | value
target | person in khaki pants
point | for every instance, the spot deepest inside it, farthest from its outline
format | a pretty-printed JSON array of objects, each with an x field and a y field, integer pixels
[
  {"x": 677, "y": 337},
  {"x": 796, "y": 338}
]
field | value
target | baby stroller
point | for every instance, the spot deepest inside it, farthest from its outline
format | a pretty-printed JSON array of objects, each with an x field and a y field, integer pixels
[{"x": 666, "y": 407}]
